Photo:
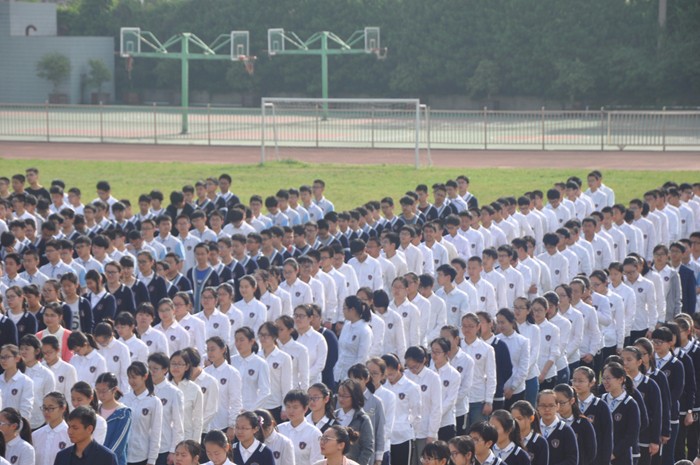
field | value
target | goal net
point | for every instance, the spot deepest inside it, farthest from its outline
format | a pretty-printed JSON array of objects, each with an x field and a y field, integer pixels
[{"x": 356, "y": 123}]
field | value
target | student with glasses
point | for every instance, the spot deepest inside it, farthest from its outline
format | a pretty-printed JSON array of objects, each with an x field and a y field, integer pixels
[
  {"x": 335, "y": 443},
  {"x": 53, "y": 436},
  {"x": 561, "y": 439},
  {"x": 249, "y": 447}
]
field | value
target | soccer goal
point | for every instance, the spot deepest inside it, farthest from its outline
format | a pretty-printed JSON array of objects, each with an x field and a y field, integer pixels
[{"x": 356, "y": 123}]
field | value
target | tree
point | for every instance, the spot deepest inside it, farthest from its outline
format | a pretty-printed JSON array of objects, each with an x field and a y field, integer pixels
[
  {"x": 99, "y": 74},
  {"x": 54, "y": 67},
  {"x": 485, "y": 80},
  {"x": 573, "y": 78}
]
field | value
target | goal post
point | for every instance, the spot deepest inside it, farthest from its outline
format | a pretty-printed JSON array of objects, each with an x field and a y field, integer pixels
[{"x": 337, "y": 122}]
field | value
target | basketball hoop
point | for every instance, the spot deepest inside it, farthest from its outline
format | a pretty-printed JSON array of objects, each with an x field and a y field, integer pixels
[
  {"x": 248, "y": 62},
  {"x": 380, "y": 53}
]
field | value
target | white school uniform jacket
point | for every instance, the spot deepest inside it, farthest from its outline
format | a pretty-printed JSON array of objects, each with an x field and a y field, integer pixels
[
  {"x": 431, "y": 402},
  {"x": 573, "y": 348},
  {"x": 484, "y": 378},
  {"x": 342, "y": 286},
  {"x": 558, "y": 267},
  {"x": 317, "y": 348},
  {"x": 197, "y": 332},
  {"x": 438, "y": 317},
  {"x": 193, "y": 408},
  {"x": 173, "y": 402},
  {"x": 138, "y": 350},
  {"x": 515, "y": 285},
  {"x": 369, "y": 272},
  {"x": 423, "y": 306},
  {"x": 629, "y": 300},
  {"x": 271, "y": 301},
  {"x": 498, "y": 281},
  {"x": 464, "y": 365},
  {"x": 450, "y": 380},
  {"x": 20, "y": 452},
  {"x": 634, "y": 238},
  {"x": 280, "y": 367},
  {"x": 300, "y": 362},
  {"x": 155, "y": 341},
  {"x": 646, "y": 312},
  {"x": 299, "y": 292},
  {"x": 230, "y": 403},
  {"x": 414, "y": 258},
  {"x": 457, "y": 305},
  {"x": 550, "y": 348},
  {"x": 18, "y": 393},
  {"x": 475, "y": 239},
  {"x": 428, "y": 261},
  {"x": 65, "y": 376},
  {"x": 49, "y": 441},
  {"x": 440, "y": 254},
  {"x": 378, "y": 327},
  {"x": 407, "y": 417},
  {"x": 117, "y": 359},
  {"x": 388, "y": 272},
  {"x": 650, "y": 237},
  {"x": 486, "y": 297},
  {"x": 330, "y": 292},
  {"x": 399, "y": 262},
  {"x": 460, "y": 243},
  {"x": 564, "y": 326},
  {"x": 146, "y": 427},
  {"x": 88, "y": 368},
  {"x": 411, "y": 322},
  {"x": 305, "y": 438},
  {"x": 353, "y": 347},
  {"x": 519, "y": 347},
  {"x": 603, "y": 309},
  {"x": 176, "y": 336},
  {"x": 573, "y": 260},
  {"x": 216, "y": 324},
  {"x": 532, "y": 333},
  {"x": 43, "y": 383},
  {"x": 585, "y": 256},
  {"x": 591, "y": 341},
  {"x": 255, "y": 376},
  {"x": 619, "y": 242},
  {"x": 210, "y": 398},
  {"x": 281, "y": 447},
  {"x": 614, "y": 332},
  {"x": 498, "y": 235},
  {"x": 394, "y": 335}
]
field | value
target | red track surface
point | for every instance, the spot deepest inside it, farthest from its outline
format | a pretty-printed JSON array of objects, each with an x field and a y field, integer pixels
[{"x": 630, "y": 160}]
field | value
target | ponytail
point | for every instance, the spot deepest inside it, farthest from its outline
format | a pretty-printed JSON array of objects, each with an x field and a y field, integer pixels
[
  {"x": 326, "y": 393},
  {"x": 84, "y": 389},
  {"x": 13, "y": 417},
  {"x": 568, "y": 392},
  {"x": 509, "y": 425},
  {"x": 140, "y": 369},
  {"x": 222, "y": 345}
]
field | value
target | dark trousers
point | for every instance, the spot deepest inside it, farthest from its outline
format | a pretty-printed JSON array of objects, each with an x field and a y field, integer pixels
[
  {"x": 548, "y": 383},
  {"x": 162, "y": 459},
  {"x": 572, "y": 368},
  {"x": 634, "y": 335},
  {"x": 276, "y": 414},
  {"x": 600, "y": 358},
  {"x": 447, "y": 432},
  {"x": 563, "y": 375},
  {"x": 461, "y": 427},
  {"x": 644, "y": 457},
  {"x": 401, "y": 453},
  {"x": 513, "y": 399},
  {"x": 670, "y": 446}
]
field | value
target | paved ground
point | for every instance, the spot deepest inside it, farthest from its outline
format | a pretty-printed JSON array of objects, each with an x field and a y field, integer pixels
[{"x": 631, "y": 160}]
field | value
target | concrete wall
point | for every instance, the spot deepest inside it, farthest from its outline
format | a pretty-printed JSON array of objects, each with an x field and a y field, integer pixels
[
  {"x": 42, "y": 16},
  {"x": 19, "y": 56}
]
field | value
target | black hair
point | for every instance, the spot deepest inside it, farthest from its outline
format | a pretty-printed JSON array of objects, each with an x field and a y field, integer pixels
[
  {"x": 193, "y": 448},
  {"x": 79, "y": 339},
  {"x": 51, "y": 341},
  {"x": 83, "y": 388},
  {"x": 85, "y": 415},
  {"x": 486, "y": 430},
  {"x": 60, "y": 399},
  {"x": 216, "y": 437},
  {"x": 326, "y": 393},
  {"x": 637, "y": 355},
  {"x": 510, "y": 426},
  {"x": 140, "y": 369},
  {"x": 222, "y": 345},
  {"x": 110, "y": 379},
  {"x": 438, "y": 450},
  {"x": 297, "y": 395},
  {"x": 616, "y": 371},
  {"x": 159, "y": 358},
  {"x": 255, "y": 423},
  {"x": 567, "y": 391},
  {"x": 527, "y": 410},
  {"x": 30, "y": 340},
  {"x": 345, "y": 435},
  {"x": 13, "y": 417},
  {"x": 509, "y": 316},
  {"x": 362, "y": 309},
  {"x": 464, "y": 445},
  {"x": 355, "y": 391},
  {"x": 416, "y": 353},
  {"x": 250, "y": 335}
]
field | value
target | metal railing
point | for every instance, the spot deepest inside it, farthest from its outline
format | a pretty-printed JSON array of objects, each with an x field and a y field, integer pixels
[{"x": 359, "y": 127}]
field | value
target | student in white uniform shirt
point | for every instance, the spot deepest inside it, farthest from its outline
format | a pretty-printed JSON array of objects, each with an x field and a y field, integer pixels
[
  {"x": 272, "y": 302},
  {"x": 356, "y": 337},
  {"x": 299, "y": 291},
  {"x": 83, "y": 395},
  {"x": 573, "y": 348},
  {"x": 43, "y": 380},
  {"x": 314, "y": 342},
  {"x": 408, "y": 412},
  {"x": 304, "y": 436},
  {"x": 451, "y": 381},
  {"x": 17, "y": 434},
  {"x": 125, "y": 325},
  {"x": 618, "y": 287},
  {"x": 217, "y": 447},
  {"x": 591, "y": 342},
  {"x": 564, "y": 325},
  {"x": 493, "y": 276},
  {"x": 431, "y": 396},
  {"x": 296, "y": 350},
  {"x": 394, "y": 341},
  {"x": 281, "y": 446},
  {"x": 177, "y": 337},
  {"x": 116, "y": 354},
  {"x": 179, "y": 373},
  {"x": 87, "y": 361},
  {"x": 484, "y": 371},
  {"x": 254, "y": 312},
  {"x": 457, "y": 302},
  {"x": 486, "y": 293},
  {"x": 406, "y": 310},
  {"x": 421, "y": 303},
  {"x": 147, "y": 416},
  {"x": 519, "y": 349},
  {"x": 215, "y": 322},
  {"x": 53, "y": 436},
  {"x": 549, "y": 344},
  {"x": 254, "y": 371},
  {"x": 155, "y": 340},
  {"x": 173, "y": 407},
  {"x": 280, "y": 368},
  {"x": 646, "y": 313},
  {"x": 63, "y": 372},
  {"x": 529, "y": 329},
  {"x": 515, "y": 284},
  {"x": 558, "y": 264},
  {"x": 195, "y": 327},
  {"x": 438, "y": 309},
  {"x": 207, "y": 384},
  {"x": 229, "y": 383},
  {"x": 367, "y": 269},
  {"x": 275, "y": 279}
]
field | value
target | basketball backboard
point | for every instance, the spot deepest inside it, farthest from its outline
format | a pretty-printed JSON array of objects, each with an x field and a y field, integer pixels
[
  {"x": 275, "y": 41},
  {"x": 129, "y": 41},
  {"x": 372, "y": 43},
  {"x": 240, "y": 45}
]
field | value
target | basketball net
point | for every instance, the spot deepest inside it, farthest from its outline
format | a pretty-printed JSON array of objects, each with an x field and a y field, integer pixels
[
  {"x": 249, "y": 63},
  {"x": 129, "y": 65}
]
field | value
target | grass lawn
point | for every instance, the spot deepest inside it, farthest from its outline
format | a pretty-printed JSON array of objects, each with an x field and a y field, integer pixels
[{"x": 347, "y": 185}]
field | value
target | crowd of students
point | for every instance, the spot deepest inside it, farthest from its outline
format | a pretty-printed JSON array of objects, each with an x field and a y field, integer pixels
[{"x": 208, "y": 331}]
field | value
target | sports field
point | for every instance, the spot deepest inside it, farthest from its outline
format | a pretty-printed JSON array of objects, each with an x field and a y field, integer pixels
[{"x": 352, "y": 176}]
